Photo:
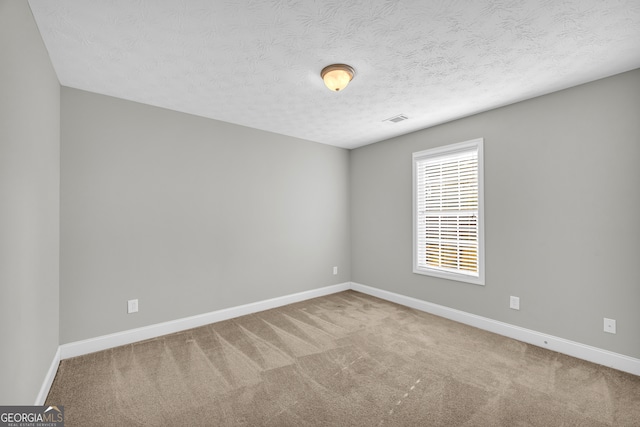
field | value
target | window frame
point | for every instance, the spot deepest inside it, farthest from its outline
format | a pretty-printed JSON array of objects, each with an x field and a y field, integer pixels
[{"x": 478, "y": 145}]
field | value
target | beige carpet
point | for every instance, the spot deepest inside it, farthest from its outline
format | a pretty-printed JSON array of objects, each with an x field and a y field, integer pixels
[{"x": 346, "y": 359}]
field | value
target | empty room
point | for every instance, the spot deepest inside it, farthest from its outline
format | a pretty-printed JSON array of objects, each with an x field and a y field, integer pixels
[{"x": 322, "y": 213}]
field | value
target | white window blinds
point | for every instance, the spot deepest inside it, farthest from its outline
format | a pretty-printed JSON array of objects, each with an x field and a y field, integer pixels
[{"x": 447, "y": 211}]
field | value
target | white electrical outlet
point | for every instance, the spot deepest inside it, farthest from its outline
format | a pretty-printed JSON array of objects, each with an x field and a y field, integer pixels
[
  {"x": 514, "y": 303},
  {"x": 132, "y": 306},
  {"x": 610, "y": 325},
  {"x": 335, "y": 270}
]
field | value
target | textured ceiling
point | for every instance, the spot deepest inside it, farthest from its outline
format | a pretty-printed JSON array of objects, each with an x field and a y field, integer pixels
[{"x": 257, "y": 62}]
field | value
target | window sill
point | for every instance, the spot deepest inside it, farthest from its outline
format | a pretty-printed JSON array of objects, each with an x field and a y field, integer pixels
[{"x": 451, "y": 276}]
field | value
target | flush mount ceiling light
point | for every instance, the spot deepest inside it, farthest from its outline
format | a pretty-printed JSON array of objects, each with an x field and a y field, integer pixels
[{"x": 337, "y": 76}]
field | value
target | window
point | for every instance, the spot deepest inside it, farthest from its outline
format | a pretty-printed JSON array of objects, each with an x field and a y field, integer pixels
[{"x": 447, "y": 210}]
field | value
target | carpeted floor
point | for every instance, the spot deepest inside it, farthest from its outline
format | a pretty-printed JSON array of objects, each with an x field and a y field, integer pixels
[{"x": 346, "y": 359}]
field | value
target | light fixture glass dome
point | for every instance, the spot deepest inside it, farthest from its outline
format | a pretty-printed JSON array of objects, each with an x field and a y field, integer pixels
[{"x": 337, "y": 76}]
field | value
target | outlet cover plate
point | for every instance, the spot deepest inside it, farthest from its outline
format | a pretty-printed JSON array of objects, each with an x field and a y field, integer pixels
[
  {"x": 610, "y": 325},
  {"x": 514, "y": 303},
  {"x": 132, "y": 306}
]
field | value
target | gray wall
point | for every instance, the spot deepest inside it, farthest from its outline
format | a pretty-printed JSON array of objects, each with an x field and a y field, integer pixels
[
  {"x": 562, "y": 214},
  {"x": 189, "y": 215},
  {"x": 29, "y": 206}
]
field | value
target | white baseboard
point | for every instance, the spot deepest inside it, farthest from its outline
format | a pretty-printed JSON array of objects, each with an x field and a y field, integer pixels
[
  {"x": 104, "y": 342},
  {"x": 561, "y": 345},
  {"x": 48, "y": 379}
]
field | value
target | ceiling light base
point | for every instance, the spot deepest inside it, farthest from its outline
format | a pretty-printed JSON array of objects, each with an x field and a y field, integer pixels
[{"x": 337, "y": 76}]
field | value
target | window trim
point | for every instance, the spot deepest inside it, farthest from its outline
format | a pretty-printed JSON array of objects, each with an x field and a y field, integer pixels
[{"x": 477, "y": 143}]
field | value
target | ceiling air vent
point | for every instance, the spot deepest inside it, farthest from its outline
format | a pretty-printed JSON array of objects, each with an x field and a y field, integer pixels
[{"x": 396, "y": 119}]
